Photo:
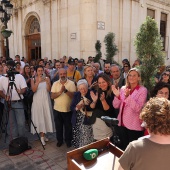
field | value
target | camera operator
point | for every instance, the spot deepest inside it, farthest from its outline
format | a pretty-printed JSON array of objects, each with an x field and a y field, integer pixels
[{"x": 16, "y": 117}]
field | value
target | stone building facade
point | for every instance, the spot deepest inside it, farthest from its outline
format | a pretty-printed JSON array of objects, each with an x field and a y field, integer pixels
[{"x": 53, "y": 28}]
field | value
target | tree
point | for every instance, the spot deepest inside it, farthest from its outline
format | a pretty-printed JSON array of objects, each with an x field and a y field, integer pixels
[
  {"x": 149, "y": 49},
  {"x": 111, "y": 48},
  {"x": 98, "y": 48}
]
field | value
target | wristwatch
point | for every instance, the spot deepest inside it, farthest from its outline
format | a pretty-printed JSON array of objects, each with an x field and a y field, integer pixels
[{"x": 65, "y": 91}]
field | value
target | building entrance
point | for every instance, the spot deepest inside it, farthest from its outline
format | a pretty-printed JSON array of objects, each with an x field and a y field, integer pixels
[{"x": 34, "y": 46}]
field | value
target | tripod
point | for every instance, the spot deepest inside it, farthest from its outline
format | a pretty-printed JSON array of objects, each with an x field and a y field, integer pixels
[{"x": 9, "y": 106}]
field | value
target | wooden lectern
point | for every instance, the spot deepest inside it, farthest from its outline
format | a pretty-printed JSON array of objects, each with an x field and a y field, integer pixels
[{"x": 107, "y": 160}]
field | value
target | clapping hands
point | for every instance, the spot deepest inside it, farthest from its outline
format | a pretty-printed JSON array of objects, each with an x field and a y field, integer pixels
[
  {"x": 62, "y": 88},
  {"x": 94, "y": 96},
  {"x": 116, "y": 91},
  {"x": 127, "y": 92},
  {"x": 102, "y": 96}
]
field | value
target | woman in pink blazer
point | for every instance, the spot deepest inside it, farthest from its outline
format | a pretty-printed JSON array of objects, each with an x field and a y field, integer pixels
[{"x": 130, "y": 99}]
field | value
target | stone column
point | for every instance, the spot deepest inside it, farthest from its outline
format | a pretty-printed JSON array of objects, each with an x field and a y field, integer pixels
[{"x": 88, "y": 28}]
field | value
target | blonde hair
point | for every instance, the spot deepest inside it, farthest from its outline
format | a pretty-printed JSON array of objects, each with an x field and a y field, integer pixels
[
  {"x": 85, "y": 67},
  {"x": 139, "y": 75}
]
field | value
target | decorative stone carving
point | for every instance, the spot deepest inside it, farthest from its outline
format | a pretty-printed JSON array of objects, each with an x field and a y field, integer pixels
[{"x": 46, "y": 1}]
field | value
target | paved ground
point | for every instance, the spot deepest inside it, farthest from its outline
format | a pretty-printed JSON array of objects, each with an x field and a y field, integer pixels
[{"x": 52, "y": 158}]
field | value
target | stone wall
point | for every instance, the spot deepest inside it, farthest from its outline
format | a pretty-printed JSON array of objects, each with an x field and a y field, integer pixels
[{"x": 71, "y": 27}]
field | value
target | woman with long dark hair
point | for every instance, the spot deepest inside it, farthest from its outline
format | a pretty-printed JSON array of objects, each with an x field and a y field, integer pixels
[
  {"x": 28, "y": 95},
  {"x": 42, "y": 113},
  {"x": 102, "y": 105}
]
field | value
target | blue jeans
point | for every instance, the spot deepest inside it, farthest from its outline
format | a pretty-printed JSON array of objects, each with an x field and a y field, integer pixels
[{"x": 16, "y": 120}]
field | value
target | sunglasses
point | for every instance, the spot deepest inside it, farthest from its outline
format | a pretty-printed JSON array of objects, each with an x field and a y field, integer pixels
[
  {"x": 61, "y": 62},
  {"x": 125, "y": 66},
  {"x": 165, "y": 74}
]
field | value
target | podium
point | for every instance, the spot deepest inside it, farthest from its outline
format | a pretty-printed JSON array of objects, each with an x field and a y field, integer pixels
[{"x": 105, "y": 160}]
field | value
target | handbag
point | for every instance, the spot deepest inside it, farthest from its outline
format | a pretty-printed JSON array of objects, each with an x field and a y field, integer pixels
[
  {"x": 92, "y": 119},
  {"x": 29, "y": 93},
  {"x": 18, "y": 146}
]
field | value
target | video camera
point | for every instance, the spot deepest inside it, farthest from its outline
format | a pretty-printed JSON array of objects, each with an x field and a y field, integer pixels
[
  {"x": 11, "y": 74},
  {"x": 110, "y": 121}
]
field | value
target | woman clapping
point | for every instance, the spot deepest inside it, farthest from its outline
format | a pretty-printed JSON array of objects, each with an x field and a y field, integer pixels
[
  {"x": 82, "y": 131},
  {"x": 102, "y": 105},
  {"x": 130, "y": 99}
]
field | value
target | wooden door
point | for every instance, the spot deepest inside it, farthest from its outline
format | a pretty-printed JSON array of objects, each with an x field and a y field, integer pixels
[{"x": 34, "y": 46}]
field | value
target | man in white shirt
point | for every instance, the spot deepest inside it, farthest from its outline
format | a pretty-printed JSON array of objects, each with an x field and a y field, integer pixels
[
  {"x": 16, "y": 119},
  {"x": 17, "y": 59}
]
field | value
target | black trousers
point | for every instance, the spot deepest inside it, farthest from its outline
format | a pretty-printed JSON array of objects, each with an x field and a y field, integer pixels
[
  {"x": 126, "y": 136},
  {"x": 63, "y": 119},
  {"x": 1, "y": 112}
]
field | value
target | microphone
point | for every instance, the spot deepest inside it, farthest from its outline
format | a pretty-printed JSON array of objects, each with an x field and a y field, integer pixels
[
  {"x": 93, "y": 153},
  {"x": 110, "y": 121},
  {"x": 90, "y": 154}
]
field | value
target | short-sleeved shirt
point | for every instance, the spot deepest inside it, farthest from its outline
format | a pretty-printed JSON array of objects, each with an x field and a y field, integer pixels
[
  {"x": 19, "y": 82},
  {"x": 77, "y": 75},
  {"x": 63, "y": 102},
  {"x": 145, "y": 155}
]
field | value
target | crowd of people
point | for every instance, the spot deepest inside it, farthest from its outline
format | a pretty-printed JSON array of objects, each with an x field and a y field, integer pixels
[{"x": 69, "y": 97}]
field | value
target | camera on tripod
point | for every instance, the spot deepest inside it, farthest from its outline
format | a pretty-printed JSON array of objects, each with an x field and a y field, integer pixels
[
  {"x": 112, "y": 122},
  {"x": 11, "y": 73}
]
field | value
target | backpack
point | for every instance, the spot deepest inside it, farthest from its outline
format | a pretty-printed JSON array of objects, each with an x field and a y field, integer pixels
[{"x": 18, "y": 146}]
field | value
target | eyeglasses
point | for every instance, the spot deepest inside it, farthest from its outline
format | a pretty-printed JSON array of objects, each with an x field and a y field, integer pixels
[{"x": 165, "y": 74}]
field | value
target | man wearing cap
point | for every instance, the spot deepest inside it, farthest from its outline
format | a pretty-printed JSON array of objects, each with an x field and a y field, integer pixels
[
  {"x": 72, "y": 73},
  {"x": 62, "y": 92},
  {"x": 16, "y": 119}
]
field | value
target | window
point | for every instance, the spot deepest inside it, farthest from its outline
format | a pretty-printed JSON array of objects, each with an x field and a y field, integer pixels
[
  {"x": 163, "y": 24},
  {"x": 151, "y": 13},
  {"x": 34, "y": 26}
]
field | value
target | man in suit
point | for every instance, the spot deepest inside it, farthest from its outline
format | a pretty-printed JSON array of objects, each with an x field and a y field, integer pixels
[{"x": 117, "y": 79}]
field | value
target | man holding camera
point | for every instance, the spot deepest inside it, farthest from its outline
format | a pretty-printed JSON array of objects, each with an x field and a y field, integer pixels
[{"x": 16, "y": 117}]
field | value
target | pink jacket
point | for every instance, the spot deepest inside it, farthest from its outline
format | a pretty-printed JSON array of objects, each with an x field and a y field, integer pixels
[{"x": 132, "y": 108}]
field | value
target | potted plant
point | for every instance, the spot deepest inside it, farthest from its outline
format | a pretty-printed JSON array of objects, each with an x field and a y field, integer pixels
[{"x": 6, "y": 33}]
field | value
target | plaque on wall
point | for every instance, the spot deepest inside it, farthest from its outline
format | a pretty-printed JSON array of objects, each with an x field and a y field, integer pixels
[
  {"x": 73, "y": 35},
  {"x": 100, "y": 25}
]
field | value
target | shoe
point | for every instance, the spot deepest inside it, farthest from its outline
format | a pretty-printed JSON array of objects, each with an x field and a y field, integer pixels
[
  {"x": 43, "y": 141},
  {"x": 46, "y": 139},
  {"x": 68, "y": 145},
  {"x": 59, "y": 144}
]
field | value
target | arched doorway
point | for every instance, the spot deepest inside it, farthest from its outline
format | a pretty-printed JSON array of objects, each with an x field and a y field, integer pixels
[{"x": 33, "y": 39}]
